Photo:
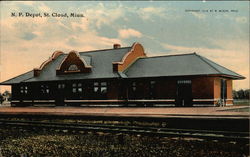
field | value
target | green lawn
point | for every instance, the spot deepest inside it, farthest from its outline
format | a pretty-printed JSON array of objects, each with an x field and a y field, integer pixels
[{"x": 241, "y": 102}]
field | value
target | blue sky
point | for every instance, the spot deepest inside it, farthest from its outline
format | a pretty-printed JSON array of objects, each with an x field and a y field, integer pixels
[{"x": 161, "y": 27}]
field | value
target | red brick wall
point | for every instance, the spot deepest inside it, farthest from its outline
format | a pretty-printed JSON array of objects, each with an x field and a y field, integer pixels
[
  {"x": 229, "y": 91},
  {"x": 113, "y": 90},
  {"x": 217, "y": 86},
  {"x": 203, "y": 88},
  {"x": 166, "y": 89},
  {"x": 217, "y": 89}
]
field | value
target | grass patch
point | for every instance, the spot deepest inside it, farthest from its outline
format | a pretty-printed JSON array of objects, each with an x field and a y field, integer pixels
[
  {"x": 241, "y": 102},
  {"x": 18, "y": 142}
]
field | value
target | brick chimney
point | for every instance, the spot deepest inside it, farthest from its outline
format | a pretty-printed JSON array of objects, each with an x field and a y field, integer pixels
[{"x": 116, "y": 46}]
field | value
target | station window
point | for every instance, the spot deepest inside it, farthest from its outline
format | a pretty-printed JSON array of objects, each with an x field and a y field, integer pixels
[
  {"x": 103, "y": 87},
  {"x": 152, "y": 84},
  {"x": 184, "y": 82},
  {"x": 134, "y": 86},
  {"x": 100, "y": 87},
  {"x": 44, "y": 89},
  {"x": 152, "y": 91},
  {"x": 24, "y": 89},
  {"x": 61, "y": 86},
  {"x": 73, "y": 67},
  {"x": 77, "y": 88}
]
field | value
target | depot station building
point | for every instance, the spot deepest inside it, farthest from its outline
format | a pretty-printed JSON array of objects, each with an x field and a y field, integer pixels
[{"x": 124, "y": 76}]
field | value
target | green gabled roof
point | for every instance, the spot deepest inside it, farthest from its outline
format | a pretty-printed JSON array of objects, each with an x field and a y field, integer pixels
[
  {"x": 87, "y": 59},
  {"x": 19, "y": 78},
  {"x": 158, "y": 66},
  {"x": 100, "y": 60},
  {"x": 177, "y": 65},
  {"x": 221, "y": 69}
]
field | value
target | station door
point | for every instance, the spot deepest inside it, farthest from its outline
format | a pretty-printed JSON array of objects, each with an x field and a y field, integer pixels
[{"x": 184, "y": 93}]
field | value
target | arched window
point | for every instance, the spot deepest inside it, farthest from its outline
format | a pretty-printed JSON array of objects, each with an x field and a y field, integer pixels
[{"x": 73, "y": 67}]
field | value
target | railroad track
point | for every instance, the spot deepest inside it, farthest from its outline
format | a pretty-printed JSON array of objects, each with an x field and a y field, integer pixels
[{"x": 233, "y": 136}]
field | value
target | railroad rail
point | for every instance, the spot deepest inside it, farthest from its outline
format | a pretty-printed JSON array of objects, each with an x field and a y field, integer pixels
[{"x": 234, "y": 136}]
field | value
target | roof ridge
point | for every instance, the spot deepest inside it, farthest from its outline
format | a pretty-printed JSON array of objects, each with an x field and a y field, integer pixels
[
  {"x": 26, "y": 79},
  {"x": 17, "y": 76},
  {"x": 221, "y": 66},
  {"x": 170, "y": 55},
  {"x": 104, "y": 50},
  {"x": 207, "y": 63}
]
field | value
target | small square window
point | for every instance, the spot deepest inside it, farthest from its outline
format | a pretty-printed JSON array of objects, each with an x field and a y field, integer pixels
[
  {"x": 96, "y": 83},
  {"x": 61, "y": 86},
  {"x": 79, "y": 89},
  {"x": 104, "y": 84},
  {"x": 103, "y": 90},
  {"x": 79, "y": 85},
  {"x": 74, "y": 85},
  {"x": 96, "y": 89},
  {"x": 134, "y": 88},
  {"x": 74, "y": 90}
]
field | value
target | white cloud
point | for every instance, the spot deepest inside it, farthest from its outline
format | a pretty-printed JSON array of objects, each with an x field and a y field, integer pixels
[
  {"x": 101, "y": 15},
  {"x": 127, "y": 33},
  {"x": 82, "y": 24},
  {"x": 30, "y": 3},
  {"x": 241, "y": 19},
  {"x": 198, "y": 15},
  {"x": 44, "y": 8},
  {"x": 148, "y": 12}
]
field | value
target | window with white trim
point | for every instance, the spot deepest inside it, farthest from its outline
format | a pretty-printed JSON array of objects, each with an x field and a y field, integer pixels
[
  {"x": 133, "y": 86},
  {"x": 73, "y": 67},
  {"x": 44, "y": 89},
  {"x": 184, "y": 82},
  {"x": 77, "y": 88},
  {"x": 61, "y": 86},
  {"x": 24, "y": 89},
  {"x": 100, "y": 87}
]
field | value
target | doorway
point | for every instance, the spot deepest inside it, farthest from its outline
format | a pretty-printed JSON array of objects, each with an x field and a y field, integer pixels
[
  {"x": 184, "y": 93},
  {"x": 60, "y": 94}
]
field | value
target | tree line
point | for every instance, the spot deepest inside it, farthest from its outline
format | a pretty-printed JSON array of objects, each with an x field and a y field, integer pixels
[
  {"x": 241, "y": 94},
  {"x": 5, "y": 93}
]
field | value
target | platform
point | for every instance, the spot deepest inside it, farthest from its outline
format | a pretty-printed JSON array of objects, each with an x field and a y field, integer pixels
[{"x": 135, "y": 111}]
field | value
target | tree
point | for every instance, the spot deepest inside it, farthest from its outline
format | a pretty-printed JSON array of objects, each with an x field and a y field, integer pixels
[
  {"x": 241, "y": 94},
  {"x": 235, "y": 94},
  {"x": 7, "y": 94}
]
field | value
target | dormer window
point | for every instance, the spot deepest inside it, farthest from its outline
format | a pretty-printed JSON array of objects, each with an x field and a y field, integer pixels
[
  {"x": 73, "y": 67},
  {"x": 74, "y": 63}
]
